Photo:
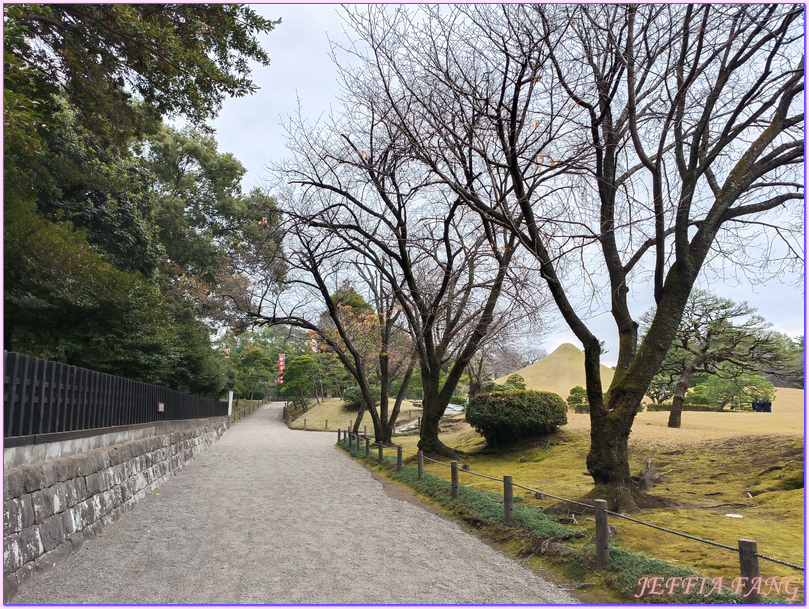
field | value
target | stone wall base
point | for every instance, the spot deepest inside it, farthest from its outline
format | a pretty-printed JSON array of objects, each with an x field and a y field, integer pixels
[{"x": 51, "y": 508}]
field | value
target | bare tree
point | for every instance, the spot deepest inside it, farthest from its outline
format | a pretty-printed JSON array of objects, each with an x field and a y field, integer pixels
[
  {"x": 601, "y": 136},
  {"x": 449, "y": 270}
]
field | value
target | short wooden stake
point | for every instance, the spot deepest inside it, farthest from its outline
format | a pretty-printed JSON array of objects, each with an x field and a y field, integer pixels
[
  {"x": 748, "y": 563},
  {"x": 602, "y": 535},
  {"x": 398, "y": 458},
  {"x": 339, "y": 435},
  {"x": 365, "y": 430},
  {"x": 508, "y": 498},
  {"x": 327, "y": 425},
  {"x": 304, "y": 424},
  {"x": 381, "y": 451},
  {"x": 367, "y": 447},
  {"x": 420, "y": 459},
  {"x": 455, "y": 485}
]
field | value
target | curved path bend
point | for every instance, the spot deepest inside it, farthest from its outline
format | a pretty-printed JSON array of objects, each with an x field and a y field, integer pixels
[{"x": 272, "y": 516}]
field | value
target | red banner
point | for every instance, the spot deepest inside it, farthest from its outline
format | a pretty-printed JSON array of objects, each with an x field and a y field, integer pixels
[{"x": 280, "y": 368}]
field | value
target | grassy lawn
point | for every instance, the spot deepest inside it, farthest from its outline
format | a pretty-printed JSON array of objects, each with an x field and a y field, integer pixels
[
  {"x": 334, "y": 411},
  {"x": 714, "y": 466}
]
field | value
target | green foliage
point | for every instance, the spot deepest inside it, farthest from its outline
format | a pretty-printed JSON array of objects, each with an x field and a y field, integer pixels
[
  {"x": 687, "y": 406},
  {"x": 299, "y": 377},
  {"x": 353, "y": 396},
  {"x": 577, "y": 400},
  {"x": 63, "y": 301},
  {"x": 503, "y": 417},
  {"x": 176, "y": 58},
  {"x": 731, "y": 387},
  {"x": 480, "y": 505},
  {"x": 513, "y": 383}
]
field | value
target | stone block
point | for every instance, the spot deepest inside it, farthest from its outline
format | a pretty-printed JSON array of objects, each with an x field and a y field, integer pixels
[
  {"x": 60, "y": 497},
  {"x": 12, "y": 553},
  {"x": 67, "y": 468},
  {"x": 25, "y": 573},
  {"x": 10, "y": 586},
  {"x": 12, "y": 516},
  {"x": 76, "y": 541},
  {"x": 68, "y": 524},
  {"x": 30, "y": 544},
  {"x": 50, "y": 473},
  {"x": 42, "y": 502},
  {"x": 92, "y": 484},
  {"x": 52, "y": 532},
  {"x": 76, "y": 491},
  {"x": 26, "y": 511},
  {"x": 33, "y": 477}
]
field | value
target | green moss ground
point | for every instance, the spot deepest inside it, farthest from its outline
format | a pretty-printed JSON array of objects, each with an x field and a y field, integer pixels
[{"x": 697, "y": 477}]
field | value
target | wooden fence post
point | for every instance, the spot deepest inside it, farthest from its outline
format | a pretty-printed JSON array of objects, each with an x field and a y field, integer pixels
[
  {"x": 350, "y": 439},
  {"x": 748, "y": 563},
  {"x": 327, "y": 425},
  {"x": 304, "y": 424},
  {"x": 399, "y": 458},
  {"x": 339, "y": 435},
  {"x": 420, "y": 458},
  {"x": 602, "y": 535},
  {"x": 508, "y": 498},
  {"x": 365, "y": 429},
  {"x": 381, "y": 451},
  {"x": 455, "y": 485},
  {"x": 367, "y": 447}
]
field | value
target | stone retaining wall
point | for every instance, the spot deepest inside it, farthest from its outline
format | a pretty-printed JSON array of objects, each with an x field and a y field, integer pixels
[{"x": 51, "y": 508}]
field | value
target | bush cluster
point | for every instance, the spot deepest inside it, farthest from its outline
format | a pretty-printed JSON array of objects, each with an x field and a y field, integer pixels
[
  {"x": 503, "y": 417},
  {"x": 353, "y": 396}
]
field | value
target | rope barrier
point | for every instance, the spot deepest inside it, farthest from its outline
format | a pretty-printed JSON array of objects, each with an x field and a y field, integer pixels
[
  {"x": 780, "y": 562},
  {"x": 648, "y": 524},
  {"x": 686, "y": 535},
  {"x": 533, "y": 490}
]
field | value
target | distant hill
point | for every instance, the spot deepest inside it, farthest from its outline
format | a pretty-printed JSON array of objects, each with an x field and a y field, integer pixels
[{"x": 559, "y": 372}]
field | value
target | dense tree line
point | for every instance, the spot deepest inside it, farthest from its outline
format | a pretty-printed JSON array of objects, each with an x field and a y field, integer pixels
[{"x": 120, "y": 230}]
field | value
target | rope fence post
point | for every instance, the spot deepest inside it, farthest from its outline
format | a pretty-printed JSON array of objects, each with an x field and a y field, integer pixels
[
  {"x": 350, "y": 439},
  {"x": 455, "y": 485},
  {"x": 602, "y": 535},
  {"x": 304, "y": 424},
  {"x": 367, "y": 447},
  {"x": 327, "y": 425},
  {"x": 399, "y": 458},
  {"x": 748, "y": 563},
  {"x": 420, "y": 459},
  {"x": 508, "y": 498},
  {"x": 339, "y": 435},
  {"x": 381, "y": 451}
]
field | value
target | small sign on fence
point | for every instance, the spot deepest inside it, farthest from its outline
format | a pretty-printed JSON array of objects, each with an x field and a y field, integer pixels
[{"x": 161, "y": 407}]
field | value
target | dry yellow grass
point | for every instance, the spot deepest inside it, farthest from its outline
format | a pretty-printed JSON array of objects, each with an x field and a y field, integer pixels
[
  {"x": 559, "y": 372},
  {"x": 334, "y": 411},
  {"x": 786, "y": 419}
]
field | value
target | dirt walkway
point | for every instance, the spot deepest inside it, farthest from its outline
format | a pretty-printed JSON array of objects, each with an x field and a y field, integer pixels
[{"x": 269, "y": 515}]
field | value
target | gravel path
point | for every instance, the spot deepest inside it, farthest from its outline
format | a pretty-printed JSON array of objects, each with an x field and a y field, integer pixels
[{"x": 269, "y": 515}]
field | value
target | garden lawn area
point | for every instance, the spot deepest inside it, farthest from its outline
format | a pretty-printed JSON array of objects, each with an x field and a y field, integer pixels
[
  {"x": 334, "y": 411},
  {"x": 714, "y": 465}
]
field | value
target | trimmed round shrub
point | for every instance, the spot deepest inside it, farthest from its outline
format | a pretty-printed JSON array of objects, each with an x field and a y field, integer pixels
[
  {"x": 503, "y": 417},
  {"x": 258, "y": 395}
]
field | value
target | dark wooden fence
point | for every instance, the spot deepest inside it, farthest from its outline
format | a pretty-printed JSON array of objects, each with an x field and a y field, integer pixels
[{"x": 41, "y": 396}]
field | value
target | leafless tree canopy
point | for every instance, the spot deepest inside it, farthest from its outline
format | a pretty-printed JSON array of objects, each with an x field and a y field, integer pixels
[{"x": 629, "y": 146}]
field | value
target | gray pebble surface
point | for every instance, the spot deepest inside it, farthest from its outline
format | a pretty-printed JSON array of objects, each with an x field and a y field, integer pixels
[{"x": 273, "y": 516}]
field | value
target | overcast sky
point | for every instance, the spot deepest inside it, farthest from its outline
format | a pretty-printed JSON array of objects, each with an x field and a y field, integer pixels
[{"x": 301, "y": 69}]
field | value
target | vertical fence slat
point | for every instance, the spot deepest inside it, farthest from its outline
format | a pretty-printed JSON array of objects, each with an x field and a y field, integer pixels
[{"x": 41, "y": 397}]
